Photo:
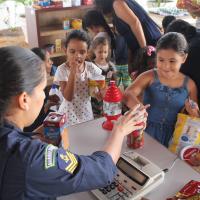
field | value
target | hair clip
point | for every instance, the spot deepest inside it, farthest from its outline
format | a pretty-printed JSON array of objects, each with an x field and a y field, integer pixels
[{"x": 150, "y": 49}]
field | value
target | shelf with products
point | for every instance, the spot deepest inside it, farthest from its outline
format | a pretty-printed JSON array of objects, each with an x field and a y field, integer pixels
[
  {"x": 52, "y": 30},
  {"x": 44, "y": 26}
]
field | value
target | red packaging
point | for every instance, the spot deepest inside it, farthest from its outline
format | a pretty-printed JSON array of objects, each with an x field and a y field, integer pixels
[
  {"x": 54, "y": 120},
  {"x": 189, "y": 190},
  {"x": 54, "y": 126},
  {"x": 87, "y": 2},
  {"x": 191, "y": 154},
  {"x": 111, "y": 105},
  {"x": 135, "y": 140}
]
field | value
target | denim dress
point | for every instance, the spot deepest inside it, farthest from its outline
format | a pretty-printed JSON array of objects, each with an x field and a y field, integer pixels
[{"x": 165, "y": 103}]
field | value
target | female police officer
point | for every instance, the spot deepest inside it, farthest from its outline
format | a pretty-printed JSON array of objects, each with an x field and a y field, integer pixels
[{"x": 32, "y": 169}]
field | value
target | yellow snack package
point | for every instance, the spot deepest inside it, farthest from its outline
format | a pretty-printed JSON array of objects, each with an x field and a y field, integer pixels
[{"x": 187, "y": 132}]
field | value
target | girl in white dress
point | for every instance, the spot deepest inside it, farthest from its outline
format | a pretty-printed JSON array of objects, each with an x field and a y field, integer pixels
[{"x": 73, "y": 79}]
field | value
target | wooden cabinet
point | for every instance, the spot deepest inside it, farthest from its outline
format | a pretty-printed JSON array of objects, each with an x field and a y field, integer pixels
[{"x": 44, "y": 26}]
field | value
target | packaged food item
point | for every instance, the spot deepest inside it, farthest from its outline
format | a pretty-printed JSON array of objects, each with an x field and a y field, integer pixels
[
  {"x": 191, "y": 191},
  {"x": 76, "y": 2},
  {"x": 186, "y": 133},
  {"x": 76, "y": 23},
  {"x": 135, "y": 139},
  {"x": 87, "y": 2},
  {"x": 66, "y": 24},
  {"x": 58, "y": 43},
  {"x": 112, "y": 106},
  {"x": 54, "y": 125},
  {"x": 191, "y": 155},
  {"x": 44, "y": 3}
]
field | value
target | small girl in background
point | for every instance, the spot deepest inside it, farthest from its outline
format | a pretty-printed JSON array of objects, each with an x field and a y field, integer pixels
[
  {"x": 95, "y": 23},
  {"x": 101, "y": 51},
  {"x": 166, "y": 89},
  {"x": 143, "y": 61},
  {"x": 73, "y": 78}
]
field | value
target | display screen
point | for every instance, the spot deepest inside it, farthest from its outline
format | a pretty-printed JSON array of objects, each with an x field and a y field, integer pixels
[{"x": 132, "y": 172}]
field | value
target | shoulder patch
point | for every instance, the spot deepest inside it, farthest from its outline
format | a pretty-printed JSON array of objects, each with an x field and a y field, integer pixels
[
  {"x": 50, "y": 156},
  {"x": 67, "y": 161}
]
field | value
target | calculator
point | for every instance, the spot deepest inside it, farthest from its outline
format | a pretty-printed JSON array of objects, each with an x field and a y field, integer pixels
[{"x": 136, "y": 176}]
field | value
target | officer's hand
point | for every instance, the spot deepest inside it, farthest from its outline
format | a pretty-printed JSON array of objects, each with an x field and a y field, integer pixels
[{"x": 135, "y": 119}]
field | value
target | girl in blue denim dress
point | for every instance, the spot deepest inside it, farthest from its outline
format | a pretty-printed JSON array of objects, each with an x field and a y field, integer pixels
[{"x": 166, "y": 89}]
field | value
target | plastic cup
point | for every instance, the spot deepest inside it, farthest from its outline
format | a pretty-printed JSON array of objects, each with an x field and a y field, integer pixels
[{"x": 95, "y": 84}]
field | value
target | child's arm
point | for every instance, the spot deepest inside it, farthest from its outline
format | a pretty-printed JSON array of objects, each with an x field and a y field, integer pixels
[
  {"x": 132, "y": 93},
  {"x": 190, "y": 104},
  {"x": 67, "y": 87}
]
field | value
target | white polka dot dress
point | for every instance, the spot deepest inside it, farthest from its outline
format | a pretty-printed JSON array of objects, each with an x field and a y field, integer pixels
[{"x": 79, "y": 109}]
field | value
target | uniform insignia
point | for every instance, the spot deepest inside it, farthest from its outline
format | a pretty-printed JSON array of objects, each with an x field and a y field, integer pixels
[
  {"x": 50, "y": 156},
  {"x": 67, "y": 161}
]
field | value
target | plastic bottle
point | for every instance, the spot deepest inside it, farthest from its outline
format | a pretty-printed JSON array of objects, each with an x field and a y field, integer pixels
[
  {"x": 112, "y": 107},
  {"x": 54, "y": 91},
  {"x": 135, "y": 139}
]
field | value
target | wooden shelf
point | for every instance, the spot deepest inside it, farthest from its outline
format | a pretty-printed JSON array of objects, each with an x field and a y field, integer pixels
[
  {"x": 44, "y": 26},
  {"x": 57, "y": 54},
  {"x": 52, "y": 30},
  {"x": 66, "y": 8}
]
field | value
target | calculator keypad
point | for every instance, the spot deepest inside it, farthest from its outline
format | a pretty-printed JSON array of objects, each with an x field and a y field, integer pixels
[{"x": 116, "y": 191}]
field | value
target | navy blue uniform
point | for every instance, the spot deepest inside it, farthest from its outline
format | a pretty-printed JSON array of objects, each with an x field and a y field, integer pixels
[{"x": 31, "y": 169}]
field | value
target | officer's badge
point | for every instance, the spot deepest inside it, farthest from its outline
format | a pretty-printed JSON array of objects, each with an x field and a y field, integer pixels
[
  {"x": 50, "y": 156},
  {"x": 67, "y": 161}
]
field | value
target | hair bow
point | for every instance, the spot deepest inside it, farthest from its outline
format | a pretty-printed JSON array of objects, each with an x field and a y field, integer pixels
[{"x": 150, "y": 49}]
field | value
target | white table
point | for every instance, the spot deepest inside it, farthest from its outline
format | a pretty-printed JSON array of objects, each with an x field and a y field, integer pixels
[{"x": 88, "y": 137}]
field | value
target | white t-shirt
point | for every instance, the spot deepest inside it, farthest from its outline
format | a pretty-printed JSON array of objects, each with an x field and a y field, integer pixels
[{"x": 79, "y": 109}]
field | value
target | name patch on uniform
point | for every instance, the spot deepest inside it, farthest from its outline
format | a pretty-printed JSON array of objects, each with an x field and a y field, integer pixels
[
  {"x": 50, "y": 156},
  {"x": 67, "y": 161}
]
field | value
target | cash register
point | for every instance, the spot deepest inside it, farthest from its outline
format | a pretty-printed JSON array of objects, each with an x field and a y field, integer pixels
[{"x": 136, "y": 176}]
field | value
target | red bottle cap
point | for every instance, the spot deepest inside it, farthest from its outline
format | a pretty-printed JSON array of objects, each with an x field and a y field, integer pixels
[{"x": 113, "y": 93}]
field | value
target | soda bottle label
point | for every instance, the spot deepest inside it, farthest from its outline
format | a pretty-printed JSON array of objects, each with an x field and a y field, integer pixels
[
  {"x": 112, "y": 109},
  {"x": 135, "y": 139}
]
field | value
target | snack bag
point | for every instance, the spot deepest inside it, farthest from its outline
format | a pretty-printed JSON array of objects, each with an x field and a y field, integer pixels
[
  {"x": 180, "y": 4},
  {"x": 187, "y": 132},
  {"x": 191, "y": 155},
  {"x": 191, "y": 191}
]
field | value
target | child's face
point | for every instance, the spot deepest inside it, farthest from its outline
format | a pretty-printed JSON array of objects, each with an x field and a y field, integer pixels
[
  {"x": 101, "y": 52},
  {"x": 48, "y": 62},
  {"x": 169, "y": 62},
  {"x": 76, "y": 52}
]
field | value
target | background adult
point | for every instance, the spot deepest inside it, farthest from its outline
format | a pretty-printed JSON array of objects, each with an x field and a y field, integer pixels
[
  {"x": 132, "y": 22},
  {"x": 191, "y": 65}
]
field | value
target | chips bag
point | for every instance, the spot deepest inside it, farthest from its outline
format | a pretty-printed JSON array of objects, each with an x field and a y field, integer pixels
[{"x": 186, "y": 133}]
